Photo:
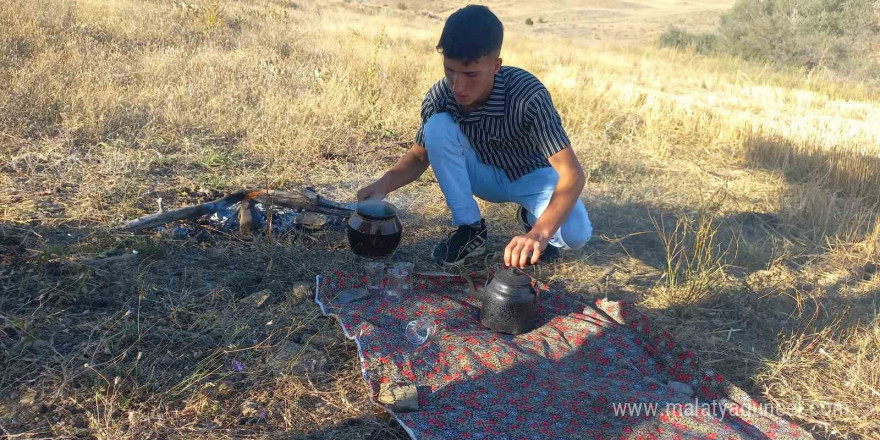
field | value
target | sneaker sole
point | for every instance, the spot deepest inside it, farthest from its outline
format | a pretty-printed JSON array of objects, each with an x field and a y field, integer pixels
[{"x": 474, "y": 253}]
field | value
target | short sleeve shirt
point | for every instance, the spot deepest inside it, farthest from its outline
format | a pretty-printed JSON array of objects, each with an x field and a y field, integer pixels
[{"x": 516, "y": 129}]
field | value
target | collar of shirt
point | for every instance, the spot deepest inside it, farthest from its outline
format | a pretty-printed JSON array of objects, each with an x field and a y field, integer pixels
[{"x": 494, "y": 106}]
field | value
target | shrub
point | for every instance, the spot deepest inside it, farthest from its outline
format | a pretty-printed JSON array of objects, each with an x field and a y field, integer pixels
[
  {"x": 808, "y": 33},
  {"x": 681, "y": 39}
]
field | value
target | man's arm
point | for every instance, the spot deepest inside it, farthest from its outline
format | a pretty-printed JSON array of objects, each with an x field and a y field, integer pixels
[
  {"x": 568, "y": 190},
  {"x": 407, "y": 169}
]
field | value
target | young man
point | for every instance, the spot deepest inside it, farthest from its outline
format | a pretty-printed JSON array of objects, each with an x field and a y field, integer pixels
[{"x": 493, "y": 132}]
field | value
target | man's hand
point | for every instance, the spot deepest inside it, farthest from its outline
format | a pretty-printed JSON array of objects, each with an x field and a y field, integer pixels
[
  {"x": 407, "y": 169},
  {"x": 374, "y": 190},
  {"x": 525, "y": 249}
]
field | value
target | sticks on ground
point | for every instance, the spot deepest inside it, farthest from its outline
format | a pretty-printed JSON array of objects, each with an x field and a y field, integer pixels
[{"x": 305, "y": 199}]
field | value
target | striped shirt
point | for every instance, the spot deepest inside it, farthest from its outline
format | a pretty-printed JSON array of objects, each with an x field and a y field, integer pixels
[{"x": 516, "y": 129}]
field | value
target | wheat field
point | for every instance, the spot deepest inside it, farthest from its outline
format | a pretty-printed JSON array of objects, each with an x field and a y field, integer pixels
[{"x": 735, "y": 204}]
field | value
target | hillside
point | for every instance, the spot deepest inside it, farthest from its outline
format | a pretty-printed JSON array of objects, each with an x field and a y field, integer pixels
[{"x": 617, "y": 22}]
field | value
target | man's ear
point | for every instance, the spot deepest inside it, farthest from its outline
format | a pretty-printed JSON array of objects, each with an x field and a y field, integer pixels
[{"x": 497, "y": 64}]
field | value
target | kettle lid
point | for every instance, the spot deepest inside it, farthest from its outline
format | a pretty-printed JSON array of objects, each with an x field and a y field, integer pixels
[
  {"x": 376, "y": 209},
  {"x": 512, "y": 277}
]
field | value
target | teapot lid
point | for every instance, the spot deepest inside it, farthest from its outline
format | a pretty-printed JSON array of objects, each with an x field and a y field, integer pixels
[
  {"x": 376, "y": 209},
  {"x": 512, "y": 277}
]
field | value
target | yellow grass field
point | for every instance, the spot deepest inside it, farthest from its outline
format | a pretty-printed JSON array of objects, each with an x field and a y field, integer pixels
[{"x": 759, "y": 185}]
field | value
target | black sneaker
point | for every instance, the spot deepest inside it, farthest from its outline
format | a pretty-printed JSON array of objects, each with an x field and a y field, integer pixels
[
  {"x": 466, "y": 241},
  {"x": 551, "y": 253}
]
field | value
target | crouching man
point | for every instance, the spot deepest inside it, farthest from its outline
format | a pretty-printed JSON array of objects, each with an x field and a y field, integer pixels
[{"x": 493, "y": 132}]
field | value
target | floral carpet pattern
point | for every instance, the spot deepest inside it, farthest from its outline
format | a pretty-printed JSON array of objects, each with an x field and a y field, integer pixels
[{"x": 595, "y": 370}]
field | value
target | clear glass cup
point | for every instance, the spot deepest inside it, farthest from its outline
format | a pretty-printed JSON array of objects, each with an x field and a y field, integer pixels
[
  {"x": 398, "y": 284},
  {"x": 406, "y": 267},
  {"x": 375, "y": 274},
  {"x": 419, "y": 331}
]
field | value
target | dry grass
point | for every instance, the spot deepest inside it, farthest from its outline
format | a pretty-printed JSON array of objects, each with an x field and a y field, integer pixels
[
  {"x": 854, "y": 173},
  {"x": 108, "y": 105},
  {"x": 694, "y": 261},
  {"x": 850, "y": 400}
]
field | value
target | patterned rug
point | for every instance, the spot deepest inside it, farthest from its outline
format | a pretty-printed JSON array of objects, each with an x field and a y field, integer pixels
[{"x": 589, "y": 371}]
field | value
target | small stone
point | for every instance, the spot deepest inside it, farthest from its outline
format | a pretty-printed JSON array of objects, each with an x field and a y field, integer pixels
[
  {"x": 208, "y": 426},
  {"x": 256, "y": 299},
  {"x": 179, "y": 233},
  {"x": 313, "y": 220},
  {"x": 248, "y": 421},
  {"x": 303, "y": 290},
  {"x": 681, "y": 388},
  {"x": 299, "y": 359},
  {"x": 80, "y": 421},
  {"x": 318, "y": 339},
  {"x": 250, "y": 408},
  {"x": 215, "y": 252},
  {"x": 807, "y": 286},
  {"x": 28, "y": 398},
  {"x": 870, "y": 270},
  {"x": 224, "y": 389},
  {"x": 209, "y": 193},
  {"x": 399, "y": 399}
]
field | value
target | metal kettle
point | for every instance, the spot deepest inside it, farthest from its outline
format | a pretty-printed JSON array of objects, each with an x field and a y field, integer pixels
[{"x": 509, "y": 302}]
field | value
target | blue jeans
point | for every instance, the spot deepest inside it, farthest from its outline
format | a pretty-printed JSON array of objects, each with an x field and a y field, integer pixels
[{"x": 462, "y": 176}]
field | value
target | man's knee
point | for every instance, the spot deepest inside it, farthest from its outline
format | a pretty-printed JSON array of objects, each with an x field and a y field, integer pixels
[
  {"x": 578, "y": 238},
  {"x": 576, "y": 232},
  {"x": 439, "y": 129}
]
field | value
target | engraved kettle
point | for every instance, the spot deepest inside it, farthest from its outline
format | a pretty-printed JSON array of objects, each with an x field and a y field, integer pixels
[{"x": 509, "y": 302}]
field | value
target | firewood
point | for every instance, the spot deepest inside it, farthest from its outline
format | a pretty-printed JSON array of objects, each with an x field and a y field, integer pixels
[
  {"x": 246, "y": 223},
  {"x": 305, "y": 199}
]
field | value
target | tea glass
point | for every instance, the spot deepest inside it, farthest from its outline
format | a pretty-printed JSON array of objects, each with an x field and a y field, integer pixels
[
  {"x": 375, "y": 275},
  {"x": 407, "y": 268},
  {"x": 399, "y": 284},
  {"x": 419, "y": 331}
]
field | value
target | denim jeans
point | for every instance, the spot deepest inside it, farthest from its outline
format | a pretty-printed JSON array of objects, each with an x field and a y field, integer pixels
[{"x": 462, "y": 176}]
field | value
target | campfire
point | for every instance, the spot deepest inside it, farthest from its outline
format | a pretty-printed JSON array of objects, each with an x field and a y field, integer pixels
[{"x": 250, "y": 210}]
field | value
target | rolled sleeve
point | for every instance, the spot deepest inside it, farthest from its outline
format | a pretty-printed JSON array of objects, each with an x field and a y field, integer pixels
[
  {"x": 546, "y": 126},
  {"x": 420, "y": 135},
  {"x": 429, "y": 108}
]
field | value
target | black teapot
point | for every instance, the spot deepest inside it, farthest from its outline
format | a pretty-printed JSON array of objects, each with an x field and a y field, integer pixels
[
  {"x": 374, "y": 231},
  {"x": 509, "y": 302}
]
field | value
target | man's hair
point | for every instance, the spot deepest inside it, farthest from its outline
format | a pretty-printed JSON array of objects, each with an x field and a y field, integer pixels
[{"x": 469, "y": 33}]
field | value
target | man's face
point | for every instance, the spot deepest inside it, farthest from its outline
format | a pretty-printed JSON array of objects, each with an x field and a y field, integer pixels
[{"x": 471, "y": 82}]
